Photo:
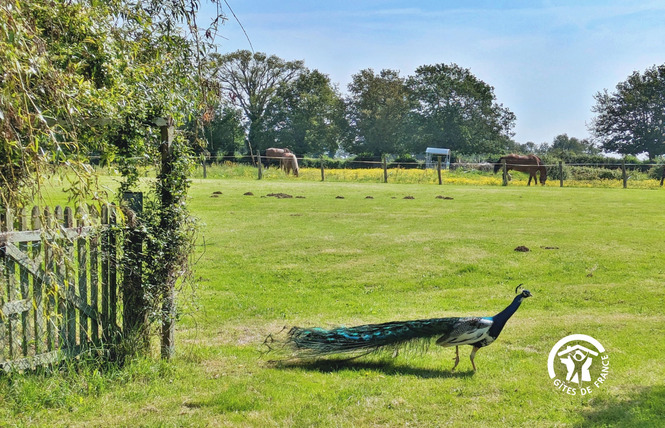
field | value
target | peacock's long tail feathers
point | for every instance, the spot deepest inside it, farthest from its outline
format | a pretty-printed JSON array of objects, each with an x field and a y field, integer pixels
[{"x": 318, "y": 342}]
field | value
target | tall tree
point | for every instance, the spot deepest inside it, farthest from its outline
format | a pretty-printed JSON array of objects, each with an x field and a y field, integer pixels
[
  {"x": 564, "y": 144},
  {"x": 456, "y": 110},
  {"x": 378, "y": 108},
  {"x": 630, "y": 121},
  {"x": 251, "y": 80},
  {"x": 307, "y": 115},
  {"x": 223, "y": 134}
]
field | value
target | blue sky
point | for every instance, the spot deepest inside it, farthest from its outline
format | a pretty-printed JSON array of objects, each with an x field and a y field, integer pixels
[{"x": 545, "y": 59}]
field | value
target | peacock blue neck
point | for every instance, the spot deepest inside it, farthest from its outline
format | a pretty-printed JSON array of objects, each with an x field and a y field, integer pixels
[{"x": 499, "y": 320}]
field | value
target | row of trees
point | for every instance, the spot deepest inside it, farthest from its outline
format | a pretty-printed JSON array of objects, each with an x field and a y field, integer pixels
[
  {"x": 271, "y": 102},
  {"x": 561, "y": 146},
  {"x": 268, "y": 101}
]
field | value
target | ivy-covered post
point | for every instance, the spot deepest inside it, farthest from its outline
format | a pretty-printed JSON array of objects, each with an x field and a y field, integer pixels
[{"x": 168, "y": 202}]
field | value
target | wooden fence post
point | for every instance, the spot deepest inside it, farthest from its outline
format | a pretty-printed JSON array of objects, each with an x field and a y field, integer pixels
[
  {"x": 560, "y": 173},
  {"x": 112, "y": 252},
  {"x": 71, "y": 281},
  {"x": 49, "y": 264},
  {"x": 82, "y": 262},
  {"x": 323, "y": 174},
  {"x": 260, "y": 164},
  {"x": 37, "y": 287},
  {"x": 623, "y": 173},
  {"x": 61, "y": 318},
  {"x": 10, "y": 270},
  {"x": 662, "y": 177},
  {"x": 94, "y": 275},
  {"x": 24, "y": 284},
  {"x": 505, "y": 173},
  {"x": 385, "y": 169},
  {"x": 106, "y": 234},
  {"x": 3, "y": 333}
]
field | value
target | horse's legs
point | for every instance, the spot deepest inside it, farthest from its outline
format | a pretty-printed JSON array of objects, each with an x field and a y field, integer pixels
[{"x": 535, "y": 178}]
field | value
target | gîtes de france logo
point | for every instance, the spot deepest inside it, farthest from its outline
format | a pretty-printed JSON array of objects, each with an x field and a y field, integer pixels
[{"x": 580, "y": 367}]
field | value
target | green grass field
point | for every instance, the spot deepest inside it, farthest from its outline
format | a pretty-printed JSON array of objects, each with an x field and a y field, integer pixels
[{"x": 596, "y": 267}]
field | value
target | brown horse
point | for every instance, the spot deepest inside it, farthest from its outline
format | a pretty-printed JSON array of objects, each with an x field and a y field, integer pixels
[
  {"x": 291, "y": 163},
  {"x": 277, "y": 154},
  {"x": 530, "y": 164}
]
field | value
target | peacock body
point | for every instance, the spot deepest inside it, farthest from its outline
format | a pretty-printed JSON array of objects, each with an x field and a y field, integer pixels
[{"x": 359, "y": 340}]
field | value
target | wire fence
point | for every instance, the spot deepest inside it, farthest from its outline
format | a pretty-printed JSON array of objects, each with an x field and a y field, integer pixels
[
  {"x": 594, "y": 174},
  {"x": 561, "y": 173}
]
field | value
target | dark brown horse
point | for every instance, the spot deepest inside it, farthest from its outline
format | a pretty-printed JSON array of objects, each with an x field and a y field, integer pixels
[{"x": 529, "y": 163}]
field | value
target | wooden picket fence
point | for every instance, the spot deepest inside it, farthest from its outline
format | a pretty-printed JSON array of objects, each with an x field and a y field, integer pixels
[{"x": 58, "y": 284}]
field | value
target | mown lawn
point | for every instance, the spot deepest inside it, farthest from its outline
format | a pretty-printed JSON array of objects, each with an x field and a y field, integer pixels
[{"x": 596, "y": 266}]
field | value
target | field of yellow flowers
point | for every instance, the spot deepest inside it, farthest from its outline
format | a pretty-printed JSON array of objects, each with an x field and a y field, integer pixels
[{"x": 409, "y": 176}]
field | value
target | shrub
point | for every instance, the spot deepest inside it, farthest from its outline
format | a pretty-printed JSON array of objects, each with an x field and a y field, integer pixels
[
  {"x": 406, "y": 162},
  {"x": 553, "y": 172},
  {"x": 593, "y": 173},
  {"x": 656, "y": 172},
  {"x": 364, "y": 161}
]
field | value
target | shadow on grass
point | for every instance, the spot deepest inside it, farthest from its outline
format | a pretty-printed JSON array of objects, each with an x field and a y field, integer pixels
[
  {"x": 643, "y": 409},
  {"x": 388, "y": 368}
]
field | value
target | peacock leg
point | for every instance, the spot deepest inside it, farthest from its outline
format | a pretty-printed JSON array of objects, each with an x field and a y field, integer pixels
[
  {"x": 473, "y": 355},
  {"x": 456, "y": 358}
]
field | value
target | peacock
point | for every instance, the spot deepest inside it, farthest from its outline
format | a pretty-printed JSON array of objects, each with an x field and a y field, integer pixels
[{"x": 307, "y": 343}]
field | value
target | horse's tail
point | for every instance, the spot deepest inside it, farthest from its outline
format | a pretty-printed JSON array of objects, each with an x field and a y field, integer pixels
[
  {"x": 296, "y": 168},
  {"x": 498, "y": 165}
]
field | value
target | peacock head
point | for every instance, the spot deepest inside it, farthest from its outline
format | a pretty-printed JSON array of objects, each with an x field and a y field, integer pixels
[{"x": 525, "y": 293}]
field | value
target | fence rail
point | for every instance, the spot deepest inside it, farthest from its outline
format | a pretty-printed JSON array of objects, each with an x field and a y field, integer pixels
[{"x": 58, "y": 284}]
